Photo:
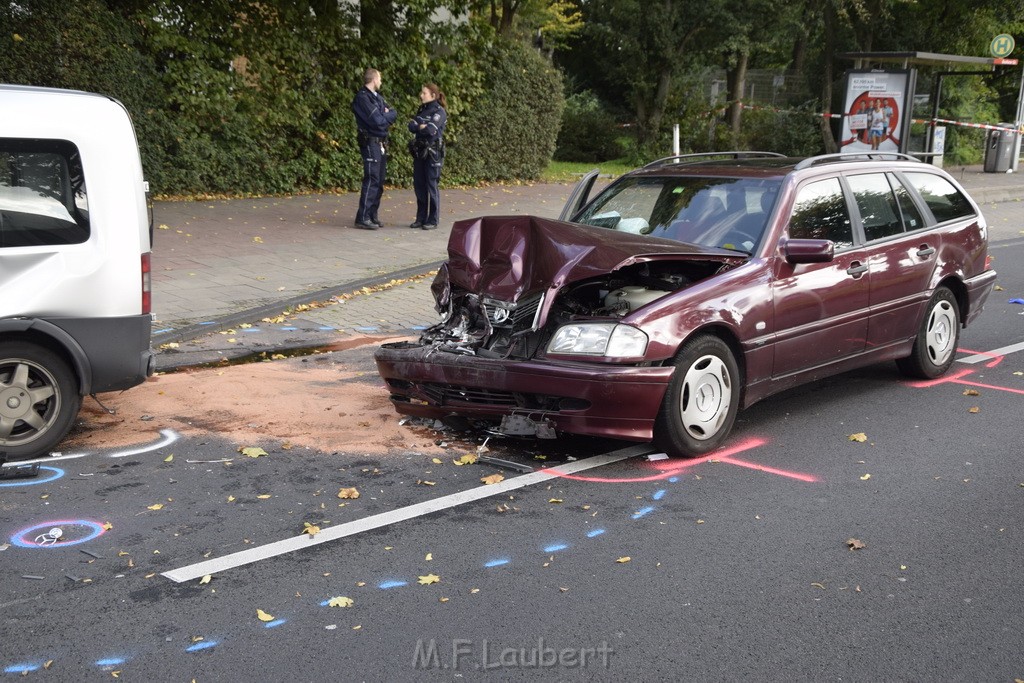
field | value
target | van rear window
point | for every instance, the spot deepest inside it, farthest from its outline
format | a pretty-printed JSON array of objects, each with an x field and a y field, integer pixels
[{"x": 42, "y": 194}]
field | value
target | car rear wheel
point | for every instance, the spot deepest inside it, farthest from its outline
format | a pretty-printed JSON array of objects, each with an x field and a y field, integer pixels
[
  {"x": 937, "y": 338},
  {"x": 38, "y": 400},
  {"x": 700, "y": 405}
]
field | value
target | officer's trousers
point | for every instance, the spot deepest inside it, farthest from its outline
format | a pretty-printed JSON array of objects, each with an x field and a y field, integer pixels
[
  {"x": 426, "y": 173},
  {"x": 375, "y": 163}
]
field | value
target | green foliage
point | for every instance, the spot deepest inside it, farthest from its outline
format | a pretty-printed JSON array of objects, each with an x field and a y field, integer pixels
[
  {"x": 245, "y": 96},
  {"x": 511, "y": 131},
  {"x": 790, "y": 133},
  {"x": 588, "y": 132}
]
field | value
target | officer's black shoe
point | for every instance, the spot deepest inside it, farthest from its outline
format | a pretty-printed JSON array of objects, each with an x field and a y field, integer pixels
[
  {"x": 416, "y": 224},
  {"x": 366, "y": 226},
  {"x": 376, "y": 223},
  {"x": 429, "y": 226}
]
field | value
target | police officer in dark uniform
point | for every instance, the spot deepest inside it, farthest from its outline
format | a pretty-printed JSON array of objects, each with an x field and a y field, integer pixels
[
  {"x": 427, "y": 150},
  {"x": 373, "y": 119}
]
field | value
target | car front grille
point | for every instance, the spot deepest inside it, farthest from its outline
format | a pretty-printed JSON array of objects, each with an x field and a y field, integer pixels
[
  {"x": 519, "y": 316},
  {"x": 443, "y": 394}
]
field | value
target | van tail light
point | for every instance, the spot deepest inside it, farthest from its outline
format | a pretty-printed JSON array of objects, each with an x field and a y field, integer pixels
[
  {"x": 988, "y": 262},
  {"x": 147, "y": 284}
]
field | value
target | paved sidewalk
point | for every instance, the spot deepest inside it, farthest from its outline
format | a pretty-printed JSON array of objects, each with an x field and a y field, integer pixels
[{"x": 222, "y": 266}]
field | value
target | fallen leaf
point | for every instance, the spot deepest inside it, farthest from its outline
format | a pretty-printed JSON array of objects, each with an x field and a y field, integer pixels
[
  {"x": 818, "y": 585},
  {"x": 205, "y": 579},
  {"x": 555, "y": 500},
  {"x": 855, "y": 544},
  {"x": 263, "y": 496},
  {"x": 158, "y": 506},
  {"x": 429, "y": 579},
  {"x": 467, "y": 459},
  {"x": 437, "y": 461},
  {"x": 971, "y": 392},
  {"x": 903, "y": 566},
  {"x": 624, "y": 560},
  {"x": 975, "y": 409},
  {"x": 859, "y": 437},
  {"x": 474, "y": 591},
  {"x": 865, "y": 477},
  {"x": 442, "y": 599},
  {"x": 263, "y": 616},
  {"x": 429, "y": 557},
  {"x": 231, "y": 499},
  {"x": 492, "y": 479},
  {"x": 169, "y": 458},
  {"x": 340, "y": 601},
  {"x": 351, "y": 492},
  {"x": 252, "y": 451},
  {"x": 424, "y": 482},
  {"x": 311, "y": 529}
]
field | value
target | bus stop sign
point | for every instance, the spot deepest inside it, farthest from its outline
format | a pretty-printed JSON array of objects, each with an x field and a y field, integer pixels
[{"x": 1002, "y": 45}]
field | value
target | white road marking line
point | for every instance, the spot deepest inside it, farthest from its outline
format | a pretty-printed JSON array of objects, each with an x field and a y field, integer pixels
[
  {"x": 383, "y": 519},
  {"x": 992, "y": 355}
]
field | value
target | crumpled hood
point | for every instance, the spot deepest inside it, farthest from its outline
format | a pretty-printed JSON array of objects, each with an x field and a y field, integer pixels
[{"x": 506, "y": 256}]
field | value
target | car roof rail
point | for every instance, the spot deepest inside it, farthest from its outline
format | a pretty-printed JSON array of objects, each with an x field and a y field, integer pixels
[
  {"x": 711, "y": 155},
  {"x": 851, "y": 156}
]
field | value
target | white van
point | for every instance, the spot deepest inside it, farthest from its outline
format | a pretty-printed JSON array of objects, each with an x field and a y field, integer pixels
[{"x": 75, "y": 240}]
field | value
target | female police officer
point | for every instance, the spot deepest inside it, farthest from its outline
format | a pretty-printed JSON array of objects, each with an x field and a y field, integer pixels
[{"x": 427, "y": 150}]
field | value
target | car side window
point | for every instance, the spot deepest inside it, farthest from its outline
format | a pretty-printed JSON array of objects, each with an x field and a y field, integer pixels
[
  {"x": 820, "y": 212},
  {"x": 912, "y": 219},
  {"x": 879, "y": 213},
  {"x": 42, "y": 194},
  {"x": 945, "y": 201}
]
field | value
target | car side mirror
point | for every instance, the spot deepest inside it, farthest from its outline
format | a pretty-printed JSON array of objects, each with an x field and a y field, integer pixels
[{"x": 808, "y": 251}]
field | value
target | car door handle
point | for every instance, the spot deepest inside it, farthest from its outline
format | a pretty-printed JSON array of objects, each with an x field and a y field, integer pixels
[
  {"x": 857, "y": 269},
  {"x": 924, "y": 251}
]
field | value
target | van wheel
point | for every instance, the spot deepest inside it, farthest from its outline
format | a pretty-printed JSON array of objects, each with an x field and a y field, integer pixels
[
  {"x": 937, "y": 338},
  {"x": 702, "y": 399},
  {"x": 39, "y": 400}
]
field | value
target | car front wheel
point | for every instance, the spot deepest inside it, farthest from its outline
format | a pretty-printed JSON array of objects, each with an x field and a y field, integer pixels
[
  {"x": 38, "y": 400},
  {"x": 937, "y": 338},
  {"x": 702, "y": 399}
]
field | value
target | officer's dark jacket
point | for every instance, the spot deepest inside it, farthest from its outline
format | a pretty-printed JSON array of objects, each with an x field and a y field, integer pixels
[
  {"x": 371, "y": 119},
  {"x": 433, "y": 116}
]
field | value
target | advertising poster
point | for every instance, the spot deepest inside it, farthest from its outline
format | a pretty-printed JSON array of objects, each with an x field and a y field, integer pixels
[{"x": 875, "y": 109}]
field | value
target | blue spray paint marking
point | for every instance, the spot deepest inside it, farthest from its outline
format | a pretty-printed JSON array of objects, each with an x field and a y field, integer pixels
[
  {"x": 57, "y": 474},
  {"x": 288, "y": 329},
  {"x": 275, "y": 623},
  {"x": 26, "y": 537},
  {"x": 418, "y": 327},
  {"x": 208, "y": 322},
  {"x": 327, "y": 328},
  {"x": 363, "y": 329},
  {"x": 252, "y": 329},
  {"x": 496, "y": 563},
  {"x": 22, "y": 668},
  {"x": 595, "y": 532},
  {"x": 643, "y": 511},
  {"x": 556, "y": 547},
  {"x": 166, "y": 329},
  {"x": 384, "y": 585},
  {"x": 658, "y": 495},
  {"x": 673, "y": 479},
  {"x": 110, "y": 661},
  {"x": 203, "y": 645}
]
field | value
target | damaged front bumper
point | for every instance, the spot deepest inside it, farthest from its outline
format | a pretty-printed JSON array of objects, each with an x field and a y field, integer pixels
[{"x": 580, "y": 398}]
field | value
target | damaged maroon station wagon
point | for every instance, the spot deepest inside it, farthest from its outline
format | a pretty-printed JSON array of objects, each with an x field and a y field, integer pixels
[{"x": 693, "y": 287}]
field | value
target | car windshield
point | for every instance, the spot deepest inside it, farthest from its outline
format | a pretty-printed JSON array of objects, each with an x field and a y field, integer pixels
[{"x": 729, "y": 213}]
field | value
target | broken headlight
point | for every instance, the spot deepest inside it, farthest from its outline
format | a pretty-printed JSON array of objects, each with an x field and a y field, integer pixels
[{"x": 610, "y": 340}]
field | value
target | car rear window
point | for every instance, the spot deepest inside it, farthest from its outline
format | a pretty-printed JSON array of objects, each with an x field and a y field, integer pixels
[
  {"x": 42, "y": 194},
  {"x": 945, "y": 201}
]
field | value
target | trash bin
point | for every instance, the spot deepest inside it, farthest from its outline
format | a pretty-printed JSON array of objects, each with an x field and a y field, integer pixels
[{"x": 1000, "y": 146}]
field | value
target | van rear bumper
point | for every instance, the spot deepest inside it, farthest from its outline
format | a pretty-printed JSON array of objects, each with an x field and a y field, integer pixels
[{"x": 116, "y": 350}]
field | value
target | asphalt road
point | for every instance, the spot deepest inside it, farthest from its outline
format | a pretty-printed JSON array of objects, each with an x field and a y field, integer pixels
[{"x": 738, "y": 566}]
